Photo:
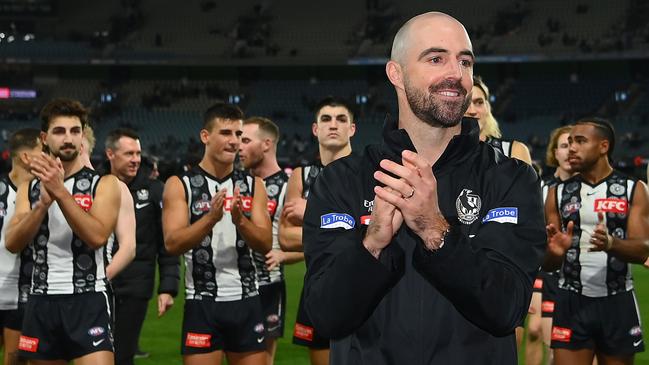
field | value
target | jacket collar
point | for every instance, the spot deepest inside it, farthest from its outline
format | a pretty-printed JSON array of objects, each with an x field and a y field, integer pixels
[{"x": 396, "y": 140}]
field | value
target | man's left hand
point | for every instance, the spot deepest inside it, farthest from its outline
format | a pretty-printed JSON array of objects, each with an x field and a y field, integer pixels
[
  {"x": 600, "y": 239},
  {"x": 418, "y": 201},
  {"x": 165, "y": 301}
]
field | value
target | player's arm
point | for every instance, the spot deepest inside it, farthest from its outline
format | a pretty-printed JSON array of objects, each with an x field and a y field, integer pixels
[
  {"x": 521, "y": 152},
  {"x": 256, "y": 231},
  {"x": 125, "y": 233},
  {"x": 168, "y": 265},
  {"x": 290, "y": 234},
  {"x": 292, "y": 257},
  {"x": 179, "y": 235},
  {"x": 635, "y": 248},
  {"x": 25, "y": 222},
  {"x": 557, "y": 245},
  {"x": 95, "y": 226},
  {"x": 275, "y": 258}
]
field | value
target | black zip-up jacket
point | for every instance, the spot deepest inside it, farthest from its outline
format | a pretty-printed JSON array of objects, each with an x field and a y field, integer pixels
[
  {"x": 138, "y": 278},
  {"x": 457, "y": 305}
]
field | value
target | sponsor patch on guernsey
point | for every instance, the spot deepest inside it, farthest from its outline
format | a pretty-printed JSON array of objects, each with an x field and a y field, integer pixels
[
  {"x": 502, "y": 215},
  {"x": 337, "y": 220}
]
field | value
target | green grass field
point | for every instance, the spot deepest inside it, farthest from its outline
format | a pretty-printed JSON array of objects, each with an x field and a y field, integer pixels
[{"x": 161, "y": 336}]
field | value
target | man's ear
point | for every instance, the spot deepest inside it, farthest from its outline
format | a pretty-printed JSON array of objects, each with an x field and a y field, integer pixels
[
  {"x": 604, "y": 146},
  {"x": 395, "y": 74},
  {"x": 314, "y": 129}
]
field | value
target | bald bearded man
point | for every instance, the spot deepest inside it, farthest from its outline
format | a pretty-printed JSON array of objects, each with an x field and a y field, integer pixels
[{"x": 428, "y": 251}]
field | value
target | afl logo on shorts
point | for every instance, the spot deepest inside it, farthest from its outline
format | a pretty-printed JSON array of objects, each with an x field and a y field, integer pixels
[
  {"x": 96, "y": 331},
  {"x": 468, "y": 206}
]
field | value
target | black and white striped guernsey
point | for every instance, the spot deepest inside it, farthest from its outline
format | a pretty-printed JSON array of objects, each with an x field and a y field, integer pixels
[
  {"x": 502, "y": 145},
  {"x": 309, "y": 174},
  {"x": 15, "y": 269},
  {"x": 276, "y": 191},
  {"x": 221, "y": 266},
  {"x": 63, "y": 263},
  {"x": 595, "y": 274}
]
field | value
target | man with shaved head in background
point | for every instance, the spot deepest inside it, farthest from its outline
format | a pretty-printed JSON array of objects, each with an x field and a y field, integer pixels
[{"x": 428, "y": 251}]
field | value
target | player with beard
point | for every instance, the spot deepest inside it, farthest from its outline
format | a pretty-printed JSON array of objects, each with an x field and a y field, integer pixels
[
  {"x": 605, "y": 214},
  {"x": 15, "y": 269},
  {"x": 67, "y": 215},
  {"x": 258, "y": 154},
  {"x": 441, "y": 271},
  {"x": 333, "y": 127},
  {"x": 216, "y": 216}
]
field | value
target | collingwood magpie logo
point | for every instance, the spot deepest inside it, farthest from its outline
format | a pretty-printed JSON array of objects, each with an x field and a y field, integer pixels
[{"x": 468, "y": 206}]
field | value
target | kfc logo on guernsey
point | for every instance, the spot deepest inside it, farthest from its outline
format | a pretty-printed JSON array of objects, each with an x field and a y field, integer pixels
[
  {"x": 337, "y": 220},
  {"x": 502, "y": 215},
  {"x": 611, "y": 205},
  {"x": 246, "y": 203},
  {"x": 84, "y": 201}
]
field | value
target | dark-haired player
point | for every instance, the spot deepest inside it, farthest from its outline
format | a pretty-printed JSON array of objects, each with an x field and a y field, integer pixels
[
  {"x": 215, "y": 216},
  {"x": 605, "y": 215},
  {"x": 67, "y": 215}
]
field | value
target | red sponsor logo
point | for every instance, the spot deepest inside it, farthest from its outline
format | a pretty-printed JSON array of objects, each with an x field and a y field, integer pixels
[
  {"x": 538, "y": 283},
  {"x": 611, "y": 205},
  {"x": 272, "y": 206},
  {"x": 303, "y": 332},
  {"x": 29, "y": 344},
  {"x": 547, "y": 306},
  {"x": 84, "y": 201},
  {"x": 561, "y": 334},
  {"x": 246, "y": 203},
  {"x": 366, "y": 219},
  {"x": 197, "y": 340}
]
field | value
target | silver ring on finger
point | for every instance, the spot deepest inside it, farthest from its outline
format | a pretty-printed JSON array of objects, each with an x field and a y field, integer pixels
[{"x": 412, "y": 193}]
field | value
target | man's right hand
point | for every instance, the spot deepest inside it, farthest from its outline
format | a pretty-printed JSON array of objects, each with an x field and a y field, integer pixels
[
  {"x": 559, "y": 242},
  {"x": 385, "y": 221}
]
